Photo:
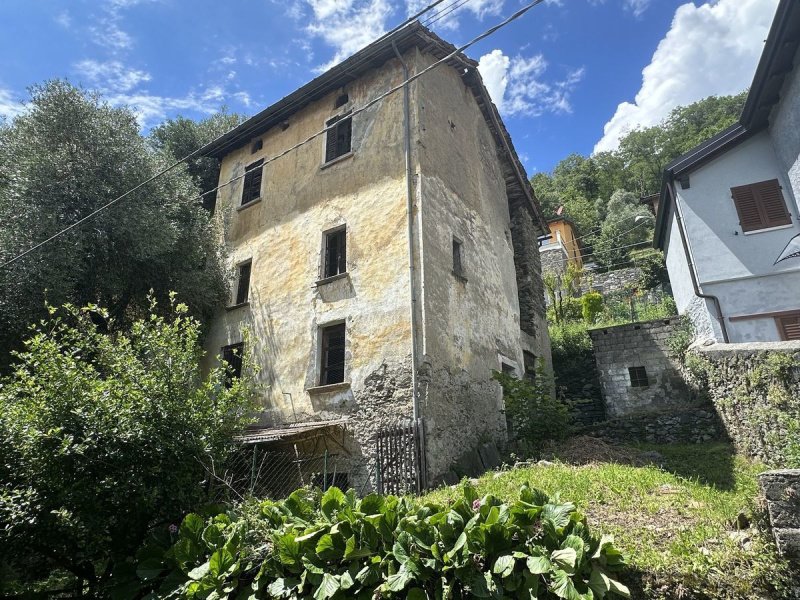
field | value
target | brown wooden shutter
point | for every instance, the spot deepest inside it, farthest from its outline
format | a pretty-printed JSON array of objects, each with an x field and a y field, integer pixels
[
  {"x": 772, "y": 203},
  {"x": 760, "y": 205},
  {"x": 330, "y": 140},
  {"x": 789, "y": 326}
]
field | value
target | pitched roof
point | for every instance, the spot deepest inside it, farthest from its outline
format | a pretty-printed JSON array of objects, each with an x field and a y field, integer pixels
[
  {"x": 376, "y": 54},
  {"x": 775, "y": 64}
]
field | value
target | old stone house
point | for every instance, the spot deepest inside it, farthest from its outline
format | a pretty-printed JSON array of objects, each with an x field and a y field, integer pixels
[
  {"x": 728, "y": 210},
  {"x": 386, "y": 267}
]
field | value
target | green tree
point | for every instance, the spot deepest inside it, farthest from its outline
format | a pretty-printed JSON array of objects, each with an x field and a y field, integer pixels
[
  {"x": 561, "y": 289},
  {"x": 67, "y": 156},
  {"x": 628, "y": 223},
  {"x": 103, "y": 436},
  {"x": 180, "y": 137}
]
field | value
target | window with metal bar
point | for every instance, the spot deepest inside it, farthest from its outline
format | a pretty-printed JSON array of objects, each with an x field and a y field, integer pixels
[
  {"x": 638, "y": 376},
  {"x": 335, "y": 253},
  {"x": 333, "y": 354}
]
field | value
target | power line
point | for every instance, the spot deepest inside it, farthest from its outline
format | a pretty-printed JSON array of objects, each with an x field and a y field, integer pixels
[
  {"x": 454, "y": 6},
  {"x": 193, "y": 154},
  {"x": 369, "y": 104},
  {"x": 572, "y": 257}
]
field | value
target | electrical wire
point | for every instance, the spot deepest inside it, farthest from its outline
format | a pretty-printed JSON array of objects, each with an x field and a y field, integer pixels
[
  {"x": 447, "y": 10},
  {"x": 188, "y": 157}
]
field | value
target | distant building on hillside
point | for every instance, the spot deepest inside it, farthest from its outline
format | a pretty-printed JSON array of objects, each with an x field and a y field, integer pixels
[
  {"x": 386, "y": 267},
  {"x": 728, "y": 211},
  {"x": 562, "y": 247}
]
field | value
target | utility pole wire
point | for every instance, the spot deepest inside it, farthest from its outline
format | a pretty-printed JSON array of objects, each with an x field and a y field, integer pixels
[{"x": 177, "y": 163}]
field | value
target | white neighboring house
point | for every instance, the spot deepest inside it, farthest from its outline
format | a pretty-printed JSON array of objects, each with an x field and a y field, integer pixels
[{"x": 728, "y": 216}]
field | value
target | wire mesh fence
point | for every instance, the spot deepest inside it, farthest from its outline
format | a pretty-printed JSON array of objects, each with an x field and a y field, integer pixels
[{"x": 392, "y": 465}]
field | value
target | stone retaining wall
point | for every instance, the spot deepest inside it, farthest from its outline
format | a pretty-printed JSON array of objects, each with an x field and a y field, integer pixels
[
  {"x": 610, "y": 282},
  {"x": 755, "y": 388},
  {"x": 781, "y": 489},
  {"x": 692, "y": 425}
]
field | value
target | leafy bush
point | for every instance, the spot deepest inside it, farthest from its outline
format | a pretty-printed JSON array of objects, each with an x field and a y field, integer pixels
[
  {"x": 569, "y": 338},
  {"x": 681, "y": 338},
  {"x": 591, "y": 306},
  {"x": 332, "y": 545},
  {"x": 533, "y": 414},
  {"x": 102, "y": 437}
]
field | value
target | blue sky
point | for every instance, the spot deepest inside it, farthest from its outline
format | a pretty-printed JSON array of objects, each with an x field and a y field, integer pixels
[{"x": 570, "y": 76}]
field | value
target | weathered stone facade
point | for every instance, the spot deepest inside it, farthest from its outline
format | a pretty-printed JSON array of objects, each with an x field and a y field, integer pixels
[
  {"x": 781, "y": 491},
  {"x": 461, "y": 189},
  {"x": 637, "y": 372},
  {"x": 755, "y": 388}
]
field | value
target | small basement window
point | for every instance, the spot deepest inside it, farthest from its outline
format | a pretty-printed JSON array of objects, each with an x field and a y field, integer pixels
[
  {"x": 638, "y": 376},
  {"x": 232, "y": 356},
  {"x": 251, "y": 190},
  {"x": 335, "y": 253},
  {"x": 243, "y": 282},
  {"x": 339, "y": 137},
  {"x": 789, "y": 326},
  {"x": 333, "y": 341},
  {"x": 458, "y": 263}
]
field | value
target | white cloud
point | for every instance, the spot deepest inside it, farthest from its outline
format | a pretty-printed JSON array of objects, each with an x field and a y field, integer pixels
[
  {"x": 348, "y": 25},
  {"x": 709, "y": 50},
  {"x": 517, "y": 85},
  {"x": 64, "y": 19},
  {"x": 10, "y": 107},
  {"x": 637, "y": 7},
  {"x": 111, "y": 75}
]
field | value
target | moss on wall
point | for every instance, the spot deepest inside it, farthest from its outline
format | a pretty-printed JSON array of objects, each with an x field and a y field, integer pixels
[{"x": 756, "y": 391}]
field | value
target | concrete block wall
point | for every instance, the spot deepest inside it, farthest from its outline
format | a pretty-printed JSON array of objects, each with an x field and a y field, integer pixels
[{"x": 645, "y": 344}]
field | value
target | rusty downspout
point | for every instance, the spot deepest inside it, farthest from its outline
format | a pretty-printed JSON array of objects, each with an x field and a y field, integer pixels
[
  {"x": 690, "y": 261},
  {"x": 410, "y": 210}
]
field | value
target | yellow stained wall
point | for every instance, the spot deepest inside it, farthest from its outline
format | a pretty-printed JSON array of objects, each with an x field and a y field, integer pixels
[{"x": 283, "y": 235}]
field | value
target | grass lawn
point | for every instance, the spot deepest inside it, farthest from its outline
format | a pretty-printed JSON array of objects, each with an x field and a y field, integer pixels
[{"x": 675, "y": 523}]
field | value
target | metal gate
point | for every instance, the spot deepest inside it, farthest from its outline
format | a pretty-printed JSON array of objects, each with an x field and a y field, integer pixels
[{"x": 400, "y": 458}]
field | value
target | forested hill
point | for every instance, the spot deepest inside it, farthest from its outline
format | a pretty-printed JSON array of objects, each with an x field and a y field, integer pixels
[{"x": 600, "y": 193}]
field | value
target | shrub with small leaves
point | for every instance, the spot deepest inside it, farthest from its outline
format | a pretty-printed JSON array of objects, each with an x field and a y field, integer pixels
[{"x": 332, "y": 545}]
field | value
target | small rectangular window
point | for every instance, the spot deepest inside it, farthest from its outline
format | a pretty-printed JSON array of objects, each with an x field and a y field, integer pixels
[
  {"x": 789, "y": 326},
  {"x": 339, "y": 137},
  {"x": 243, "y": 283},
  {"x": 232, "y": 356},
  {"x": 760, "y": 205},
  {"x": 251, "y": 190},
  {"x": 638, "y": 376},
  {"x": 333, "y": 343},
  {"x": 458, "y": 264},
  {"x": 257, "y": 145},
  {"x": 335, "y": 253}
]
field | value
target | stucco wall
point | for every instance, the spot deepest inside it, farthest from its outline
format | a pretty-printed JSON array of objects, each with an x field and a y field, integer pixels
[
  {"x": 283, "y": 235},
  {"x": 738, "y": 268},
  {"x": 785, "y": 128},
  {"x": 469, "y": 321}
]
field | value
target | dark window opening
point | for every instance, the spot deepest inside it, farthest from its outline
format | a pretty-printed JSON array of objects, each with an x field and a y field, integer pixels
[
  {"x": 760, "y": 205},
  {"x": 339, "y": 137},
  {"x": 252, "y": 182},
  {"x": 341, "y": 101},
  {"x": 638, "y": 376},
  {"x": 508, "y": 369},
  {"x": 243, "y": 283},
  {"x": 530, "y": 365},
  {"x": 257, "y": 145},
  {"x": 789, "y": 326},
  {"x": 332, "y": 355},
  {"x": 458, "y": 265},
  {"x": 232, "y": 356},
  {"x": 335, "y": 253}
]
